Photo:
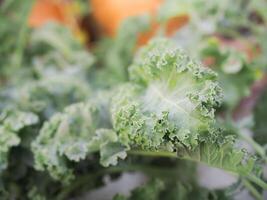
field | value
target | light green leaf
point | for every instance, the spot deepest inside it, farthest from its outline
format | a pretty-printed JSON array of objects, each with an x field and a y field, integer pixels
[
  {"x": 171, "y": 98},
  {"x": 111, "y": 152},
  {"x": 71, "y": 136},
  {"x": 11, "y": 122}
]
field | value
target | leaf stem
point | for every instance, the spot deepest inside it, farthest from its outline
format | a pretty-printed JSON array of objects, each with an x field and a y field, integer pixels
[
  {"x": 153, "y": 153},
  {"x": 83, "y": 180},
  {"x": 257, "y": 181},
  {"x": 252, "y": 190},
  {"x": 251, "y": 177}
]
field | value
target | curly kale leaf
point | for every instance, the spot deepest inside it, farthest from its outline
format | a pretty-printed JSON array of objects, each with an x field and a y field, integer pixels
[
  {"x": 59, "y": 77},
  {"x": 69, "y": 137},
  {"x": 170, "y": 96},
  {"x": 52, "y": 94},
  {"x": 11, "y": 122},
  {"x": 169, "y": 106},
  {"x": 220, "y": 153},
  {"x": 8, "y": 139}
]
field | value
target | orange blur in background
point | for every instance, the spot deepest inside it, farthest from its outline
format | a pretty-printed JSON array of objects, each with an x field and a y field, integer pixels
[
  {"x": 60, "y": 11},
  {"x": 109, "y": 14},
  {"x": 44, "y": 11}
]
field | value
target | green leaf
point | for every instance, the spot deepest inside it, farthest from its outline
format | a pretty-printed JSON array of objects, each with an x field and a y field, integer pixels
[
  {"x": 220, "y": 153},
  {"x": 170, "y": 107},
  {"x": 8, "y": 139},
  {"x": 11, "y": 122},
  {"x": 71, "y": 136},
  {"x": 171, "y": 97},
  {"x": 111, "y": 152},
  {"x": 55, "y": 51},
  {"x": 65, "y": 136},
  {"x": 52, "y": 94},
  {"x": 56, "y": 37}
]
